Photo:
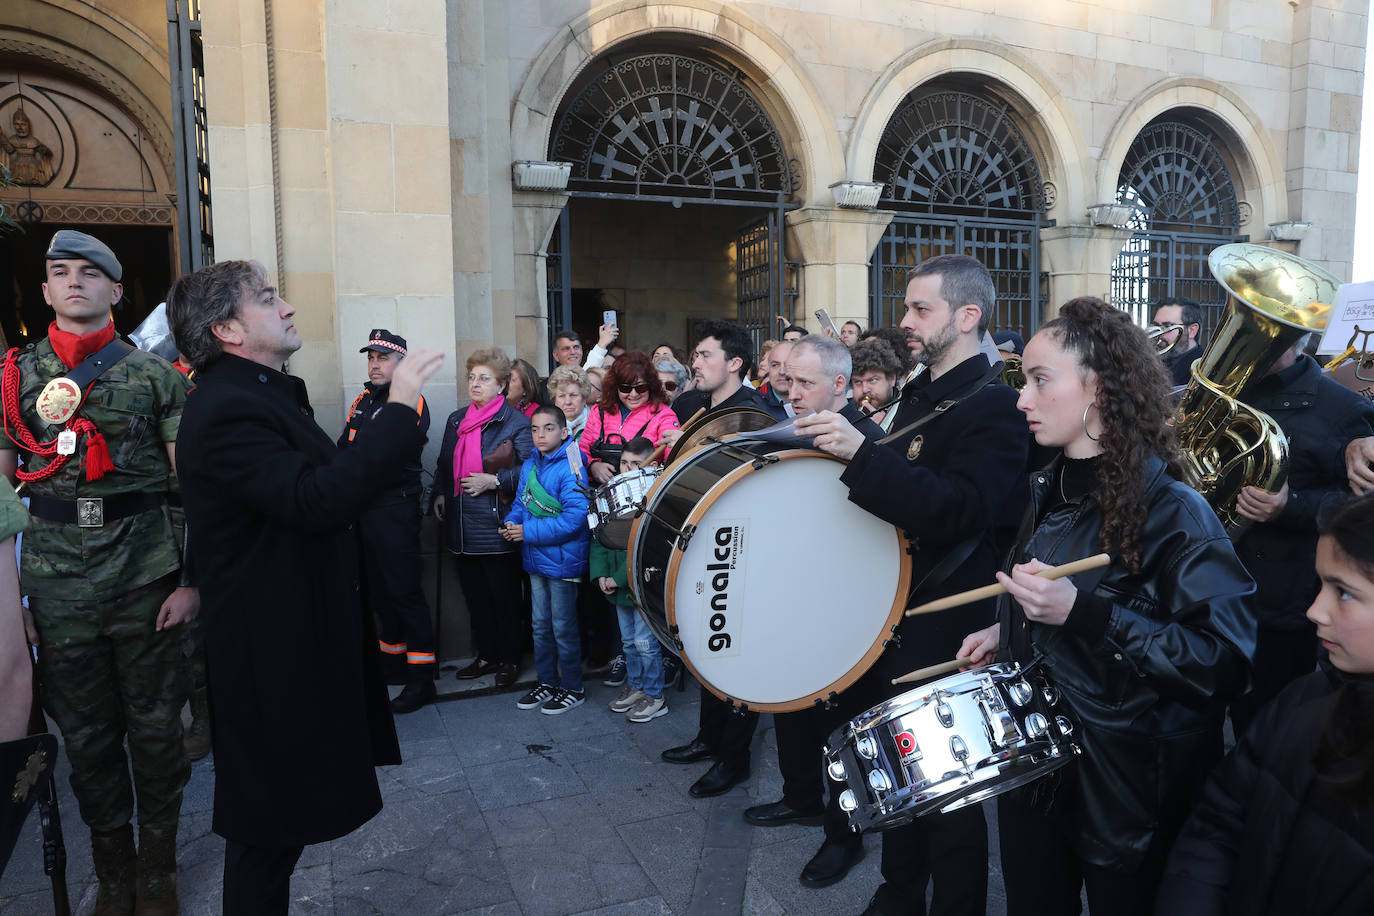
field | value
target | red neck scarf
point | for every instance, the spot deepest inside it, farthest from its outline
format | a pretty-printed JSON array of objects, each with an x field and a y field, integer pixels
[{"x": 73, "y": 348}]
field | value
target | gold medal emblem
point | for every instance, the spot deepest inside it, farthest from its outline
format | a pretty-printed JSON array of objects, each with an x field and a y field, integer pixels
[
  {"x": 914, "y": 448},
  {"x": 59, "y": 401}
]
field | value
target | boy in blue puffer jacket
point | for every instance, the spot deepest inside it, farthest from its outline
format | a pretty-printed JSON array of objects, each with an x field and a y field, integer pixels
[{"x": 549, "y": 519}]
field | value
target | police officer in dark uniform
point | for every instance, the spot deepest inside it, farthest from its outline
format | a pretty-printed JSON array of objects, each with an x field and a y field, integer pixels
[{"x": 391, "y": 539}]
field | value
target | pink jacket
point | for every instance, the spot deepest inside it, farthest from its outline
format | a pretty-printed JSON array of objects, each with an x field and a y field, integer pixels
[{"x": 649, "y": 421}]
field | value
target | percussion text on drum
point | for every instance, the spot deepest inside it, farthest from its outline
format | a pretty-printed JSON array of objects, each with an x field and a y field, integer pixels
[{"x": 724, "y": 553}]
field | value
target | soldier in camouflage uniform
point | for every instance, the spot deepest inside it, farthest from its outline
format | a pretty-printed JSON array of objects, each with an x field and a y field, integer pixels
[{"x": 101, "y": 567}]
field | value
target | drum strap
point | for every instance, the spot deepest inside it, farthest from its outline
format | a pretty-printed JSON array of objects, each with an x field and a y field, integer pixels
[
  {"x": 946, "y": 405},
  {"x": 960, "y": 552}
]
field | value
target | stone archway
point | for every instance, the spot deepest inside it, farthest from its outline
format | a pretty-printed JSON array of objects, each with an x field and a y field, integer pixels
[
  {"x": 785, "y": 88},
  {"x": 80, "y": 160},
  {"x": 1258, "y": 168},
  {"x": 778, "y": 81},
  {"x": 1054, "y": 134}
]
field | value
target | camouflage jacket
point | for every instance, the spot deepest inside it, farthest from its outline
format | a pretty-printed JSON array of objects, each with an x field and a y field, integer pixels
[{"x": 137, "y": 406}]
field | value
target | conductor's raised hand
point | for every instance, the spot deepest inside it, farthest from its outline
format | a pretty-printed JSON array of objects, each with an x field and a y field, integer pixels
[
  {"x": 981, "y": 647},
  {"x": 1046, "y": 601},
  {"x": 832, "y": 433},
  {"x": 411, "y": 374}
]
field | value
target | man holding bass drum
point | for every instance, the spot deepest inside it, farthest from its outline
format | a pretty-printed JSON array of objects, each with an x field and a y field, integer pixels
[{"x": 956, "y": 458}]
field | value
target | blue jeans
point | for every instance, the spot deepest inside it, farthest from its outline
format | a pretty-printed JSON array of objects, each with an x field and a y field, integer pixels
[
  {"x": 643, "y": 660},
  {"x": 557, "y": 645}
]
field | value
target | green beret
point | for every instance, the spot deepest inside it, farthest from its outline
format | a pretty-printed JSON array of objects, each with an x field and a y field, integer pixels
[{"x": 68, "y": 244}]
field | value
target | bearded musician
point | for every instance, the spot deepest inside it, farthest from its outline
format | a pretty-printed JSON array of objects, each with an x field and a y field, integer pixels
[{"x": 958, "y": 455}]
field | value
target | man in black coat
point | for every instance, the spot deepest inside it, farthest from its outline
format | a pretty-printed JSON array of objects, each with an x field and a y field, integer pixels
[
  {"x": 1320, "y": 417},
  {"x": 946, "y": 483},
  {"x": 721, "y": 358},
  {"x": 300, "y": 710},
  {"x": 818, "y": 369}
]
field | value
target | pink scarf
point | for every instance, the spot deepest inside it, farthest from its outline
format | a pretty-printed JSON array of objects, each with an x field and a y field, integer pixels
[{"x": 467, "y": 457}]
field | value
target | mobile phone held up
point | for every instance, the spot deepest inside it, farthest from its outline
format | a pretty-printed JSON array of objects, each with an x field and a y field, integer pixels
[
  {"x": 608, "y": 317},
  {"x": 827, "y": 323}
]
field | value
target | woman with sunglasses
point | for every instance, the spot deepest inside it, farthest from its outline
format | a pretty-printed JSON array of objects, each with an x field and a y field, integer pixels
[
  {"x": 632, "y": 404},
  {"x": 673, "y": 376}
]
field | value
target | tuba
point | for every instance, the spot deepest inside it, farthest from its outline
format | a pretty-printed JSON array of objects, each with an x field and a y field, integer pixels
[
  {"x": 1155, "y": 334},
  {"x": 1275, "y": 299}
]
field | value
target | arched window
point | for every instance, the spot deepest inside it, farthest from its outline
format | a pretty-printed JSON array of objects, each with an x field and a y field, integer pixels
[
  {"x": 964, "y": 180},
  {"x": 671, "y": 125},
  {"x": 1176, "y": 177}
]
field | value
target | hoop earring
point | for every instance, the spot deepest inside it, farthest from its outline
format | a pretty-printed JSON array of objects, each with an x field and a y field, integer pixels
[{"x": 1085, "y": 423}]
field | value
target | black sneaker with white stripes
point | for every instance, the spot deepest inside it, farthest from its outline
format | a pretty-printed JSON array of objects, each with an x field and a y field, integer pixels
[
  {"x": 561, "y": 701},
  {"x": 540, "y": 695}
]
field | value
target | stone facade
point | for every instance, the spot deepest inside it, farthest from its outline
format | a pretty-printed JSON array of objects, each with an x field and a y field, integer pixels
[{"x": 363, "y": 148}]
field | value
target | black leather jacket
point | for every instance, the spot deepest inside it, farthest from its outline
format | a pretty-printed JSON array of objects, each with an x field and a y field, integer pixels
[{"x": 1147, "y": 671}]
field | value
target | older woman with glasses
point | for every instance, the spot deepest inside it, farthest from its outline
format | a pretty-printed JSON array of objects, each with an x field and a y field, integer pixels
[
  {"x": 672, "y": 375},
  {"x": 484, "y": 445},
  {"x": 633, "y": 403}
]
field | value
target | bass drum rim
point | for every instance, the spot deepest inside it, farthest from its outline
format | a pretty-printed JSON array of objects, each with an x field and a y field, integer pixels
[{"x": 857, "y": 670}]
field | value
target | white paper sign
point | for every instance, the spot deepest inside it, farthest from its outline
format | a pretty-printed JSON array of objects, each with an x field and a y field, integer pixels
[{"x": 1354, "y": 311}]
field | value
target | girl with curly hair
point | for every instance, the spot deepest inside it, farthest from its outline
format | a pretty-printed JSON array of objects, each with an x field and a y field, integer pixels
[{"x": 1144, "y": 653}]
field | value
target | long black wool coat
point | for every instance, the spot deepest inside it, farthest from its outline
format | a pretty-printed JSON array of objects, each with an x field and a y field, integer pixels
[{"x": 300, "y": 714}]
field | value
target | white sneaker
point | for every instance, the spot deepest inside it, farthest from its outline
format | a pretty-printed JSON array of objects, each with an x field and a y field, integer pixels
[
  {"x": 648, "y": 709},
  {"x": 626, "y": 699}
]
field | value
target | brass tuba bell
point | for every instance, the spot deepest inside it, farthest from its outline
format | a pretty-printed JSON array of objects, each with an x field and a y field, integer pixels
[{"x": 1276, "y": 298}]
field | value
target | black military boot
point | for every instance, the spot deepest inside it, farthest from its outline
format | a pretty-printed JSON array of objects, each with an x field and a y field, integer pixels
[
  {"x": 157, "y": 871},
  {"x": 419, "y": 690},
  {"x": 113, "y": 852},
  {"x": 197, "y": 739}
]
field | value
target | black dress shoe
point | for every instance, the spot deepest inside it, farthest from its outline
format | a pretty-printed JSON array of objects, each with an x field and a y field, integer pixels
[
  {"x": 691, "y": 752},
  {"x": 417, "y": 693},
  {"x": 505, "y": 674},
  {"x": 831, "y": 863},
  {"x": 779, "y": 813},
  {"x": 721, "y": 778},
  {"x": 476, "y": 669}
]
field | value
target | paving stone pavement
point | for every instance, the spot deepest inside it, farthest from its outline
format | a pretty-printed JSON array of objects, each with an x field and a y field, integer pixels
[{"x": 501, "y": 812}]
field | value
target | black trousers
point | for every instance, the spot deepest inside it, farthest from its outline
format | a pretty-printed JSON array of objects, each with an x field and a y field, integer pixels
[
  {"x": 257, "y": 879},
  {"x": 491, "y": 589},
  {"x": 1045, "y": 876},
  {"x": 1281, "y": 657},
  {"x": 947, "y": 851},
  {"x": 801, "y": 737},
  {"x": 728, "y": 733},
  {"x": 392, "y": 568}
]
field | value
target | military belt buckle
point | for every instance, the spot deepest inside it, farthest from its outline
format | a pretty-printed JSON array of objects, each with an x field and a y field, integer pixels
[{"x": 90, "y": 512}]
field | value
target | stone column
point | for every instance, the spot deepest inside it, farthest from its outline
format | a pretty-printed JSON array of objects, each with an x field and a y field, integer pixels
[
  {"x": 835, "y": 246},
  {"x": 1324, "y": 127},
  {"x": 535, "y": 216},
  {"x": 1079, "y": 261}
]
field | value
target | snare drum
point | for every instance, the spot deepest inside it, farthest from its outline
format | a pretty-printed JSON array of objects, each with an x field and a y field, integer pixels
[
  {"x": 615, "y": 503},
  {"x": 724, "y": 570},
  {"x": 950, "y": 743}
]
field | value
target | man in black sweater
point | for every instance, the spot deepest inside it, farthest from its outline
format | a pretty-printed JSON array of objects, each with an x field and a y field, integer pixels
[{"x": 721, "y": 358}]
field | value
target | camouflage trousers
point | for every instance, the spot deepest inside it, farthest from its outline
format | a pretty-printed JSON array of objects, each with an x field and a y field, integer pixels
[{"x": 106, "y": 675}]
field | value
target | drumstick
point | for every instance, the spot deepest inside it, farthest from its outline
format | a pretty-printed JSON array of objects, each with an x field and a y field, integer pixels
[
  {"x": 992, "y": 591},
  {"x": 659, "y": 451},
  {"x": 920, "y": 674}
]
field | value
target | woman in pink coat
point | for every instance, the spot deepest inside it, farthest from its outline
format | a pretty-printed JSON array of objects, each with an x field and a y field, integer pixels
[{"x": 632, "y": 404}]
